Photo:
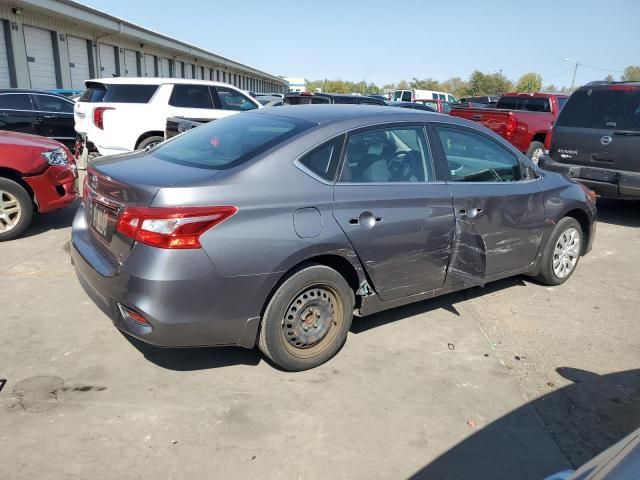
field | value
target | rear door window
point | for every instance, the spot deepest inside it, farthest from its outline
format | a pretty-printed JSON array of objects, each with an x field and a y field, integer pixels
[
  {"x": 49, "y": 103},
  {"x": 230, "y": 141},
  {"x": 130, "y": 93},
  {"x": 602, "y": 108},
  {"x": 16, "y": 101},
  {"x": 530, "y": 104},
  {"x": 387, "y": 155},
  {"x": 191, "y": 96},
  {"x": 95, "y": 92},
  {"x": 231, "y": 99},
  {"x": 406, "y": 96}
]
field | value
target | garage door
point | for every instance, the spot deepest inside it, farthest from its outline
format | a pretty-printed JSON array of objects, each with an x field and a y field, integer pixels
[
  {"x": 107, "y": 57},
  {"x": 149, "y": 65},
  {"x": 130, "y": 64},
  {"x": 188, "y": 70},
  {"x": 78, "y": 61},
  {"x": 40, "y": 59},
  {"x": 5, "y": 81},
  {"x": 165, "y": 70}
]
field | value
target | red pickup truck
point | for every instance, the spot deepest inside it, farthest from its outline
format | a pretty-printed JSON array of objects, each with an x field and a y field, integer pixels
[{"x": 524, "y": 119}]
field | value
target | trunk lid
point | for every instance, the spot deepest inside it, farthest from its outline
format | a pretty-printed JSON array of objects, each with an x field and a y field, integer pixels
[{"x": 129, "y": 180}]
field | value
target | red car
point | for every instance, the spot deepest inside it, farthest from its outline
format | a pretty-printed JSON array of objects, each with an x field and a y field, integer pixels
[
  {"x": 439, "y": 105},
  {"x": 37, "y": 174},
  {"x": 524, "y": 119}
]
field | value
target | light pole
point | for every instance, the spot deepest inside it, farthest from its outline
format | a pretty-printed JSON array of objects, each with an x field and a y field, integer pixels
[{"x": 575, "y": 70}]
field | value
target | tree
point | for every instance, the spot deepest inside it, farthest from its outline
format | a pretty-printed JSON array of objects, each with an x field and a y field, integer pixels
[
  {"x": 455, "y": 86},
  {"x": 550, "y": 88},
  {"x": 426, "y": 84},
  {"x": 609, "y": 78},
  {"x": 487, "y": 84},
  {"x": 631, "y": 74},
  {"x": 403, "y": 85},
  {"x": 529, "y": 83}
]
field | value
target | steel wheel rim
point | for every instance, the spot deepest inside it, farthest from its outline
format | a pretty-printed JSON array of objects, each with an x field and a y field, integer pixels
[
  {"x": 312, "y": 321},
  {"x": 10, "y": 211},
  {"x": 151, "y": 145},
  {"x": 566, "y": 253}
]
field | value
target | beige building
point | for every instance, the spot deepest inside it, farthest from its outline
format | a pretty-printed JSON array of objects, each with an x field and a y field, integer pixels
[{"x": 55, "y": 44}]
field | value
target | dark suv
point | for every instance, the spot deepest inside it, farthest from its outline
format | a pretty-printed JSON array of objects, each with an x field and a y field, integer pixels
[
  {"x": 39, "y": 113},
  {"x": 596, "y": 139},
  {"x": 305, "y": 98}
]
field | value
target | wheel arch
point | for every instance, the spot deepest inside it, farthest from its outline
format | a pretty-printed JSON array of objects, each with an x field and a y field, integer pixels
[
  {"x": 539, "y": 137},
  {"x": 582, "y": 218},
  {"x": 353, "y": 274},
  {"x": 15, "y": 176},
  {"x": 144, "y": 136}
]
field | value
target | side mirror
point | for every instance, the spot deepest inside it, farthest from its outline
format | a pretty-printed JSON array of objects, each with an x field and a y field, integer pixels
[{"x": 542, "y": 160}]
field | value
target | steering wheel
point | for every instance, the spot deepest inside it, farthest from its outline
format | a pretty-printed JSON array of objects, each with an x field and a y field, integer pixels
[{"x": 402, "y": 166}]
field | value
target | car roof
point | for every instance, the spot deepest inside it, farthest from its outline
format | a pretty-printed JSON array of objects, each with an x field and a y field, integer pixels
[
  {"x": 537, "y": 94},
  {"x": 326, "y": 113},
  {"x": 28, "y": 90},
  {"x": 155, "y": 81}
]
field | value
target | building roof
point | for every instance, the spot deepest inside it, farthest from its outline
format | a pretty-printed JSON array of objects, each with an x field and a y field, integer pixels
[{"x": 79, "y": 13}]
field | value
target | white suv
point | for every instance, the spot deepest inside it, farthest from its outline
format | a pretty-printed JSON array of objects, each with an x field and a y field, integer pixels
[{"x": 119, "y": 115}]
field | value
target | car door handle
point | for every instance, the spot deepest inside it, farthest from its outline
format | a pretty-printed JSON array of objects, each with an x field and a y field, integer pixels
[
  {"x": 470, "y": 213},
  {"x": 476, "y": 117},
  {"x": 365, "y": 220}
]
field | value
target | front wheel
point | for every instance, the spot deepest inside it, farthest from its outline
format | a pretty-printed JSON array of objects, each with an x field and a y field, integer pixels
[
  {"x": 562, "y": 253},
  {"x": 16, "y": 209},
  {"x": 307, "y": 320}
]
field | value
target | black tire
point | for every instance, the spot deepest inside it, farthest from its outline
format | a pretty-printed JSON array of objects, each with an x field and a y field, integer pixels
[
  {"x": 316, "y": 298},
  {"x": 24, "y": 203},
  {"x": 547, "y": 275},
  {"x": 535, "y": 150},
  {"x": 150, "y": 142}
]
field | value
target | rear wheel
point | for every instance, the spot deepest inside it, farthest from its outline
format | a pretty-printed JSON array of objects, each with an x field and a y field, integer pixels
[
  {"x": 150, "y": 142},
  {"x": 536, "y": 150},
  {"x": 562, "y": 253},
  {"x": 307, "y": 320},
  {"x": 16, "y": 209}
]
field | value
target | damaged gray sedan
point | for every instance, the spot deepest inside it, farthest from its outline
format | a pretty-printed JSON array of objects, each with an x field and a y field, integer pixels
[{"x": 275, "y": 227}]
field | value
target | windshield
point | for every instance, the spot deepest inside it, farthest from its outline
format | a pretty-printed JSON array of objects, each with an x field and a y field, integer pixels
[
  {"x": 602, "y": 108},
  {"x": 230, "y": 141}
]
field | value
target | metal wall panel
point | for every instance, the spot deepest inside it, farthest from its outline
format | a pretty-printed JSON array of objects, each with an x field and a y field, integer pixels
[
  {"x": 40, "y": 58},
  {"x": 5, "y": 77},
  {"x": 78, "y": 61},
  {"x": 149, "y": 66},
  {"x": 107, "y": 60},
  {"x": 130, "y": 63}
]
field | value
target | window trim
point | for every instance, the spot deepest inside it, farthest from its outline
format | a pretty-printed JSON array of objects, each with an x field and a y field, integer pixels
[
  {"x": 218, "y": 101},
  {"x": 385, "y": 125},
  {"x": 445, "y": 163}
]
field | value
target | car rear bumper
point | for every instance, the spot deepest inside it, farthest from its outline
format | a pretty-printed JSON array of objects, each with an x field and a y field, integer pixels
[
  {"x": 54, "y": 189},
  {"x": 179, "y": 293},
  {"x": 605, "y": 182}
]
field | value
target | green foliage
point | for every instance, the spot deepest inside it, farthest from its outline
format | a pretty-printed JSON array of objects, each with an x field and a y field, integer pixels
[
  {"x": 631, "y": 74},
  {"x": 341, "y": 86},
  {"x": 487, "y": 84},
  {"x": 529, "y": 83},
  {"x": 609, "y": 78},
  {"x": 426, "y": 84}
]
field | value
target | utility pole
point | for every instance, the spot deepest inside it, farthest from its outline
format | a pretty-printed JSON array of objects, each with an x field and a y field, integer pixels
[{"x": 575, "y": 70}]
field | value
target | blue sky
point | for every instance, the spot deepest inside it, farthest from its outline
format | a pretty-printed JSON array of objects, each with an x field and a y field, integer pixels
[{"x": 388, "y": 41}]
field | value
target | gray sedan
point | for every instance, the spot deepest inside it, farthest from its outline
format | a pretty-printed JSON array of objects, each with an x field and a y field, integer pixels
[{"x": 276, "y": 226}]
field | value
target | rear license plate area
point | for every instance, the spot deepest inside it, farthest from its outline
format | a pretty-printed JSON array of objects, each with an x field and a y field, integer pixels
[{"x": 102, "y": 220}]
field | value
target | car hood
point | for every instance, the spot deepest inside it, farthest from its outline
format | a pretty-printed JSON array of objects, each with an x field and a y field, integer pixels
[{"x": 27, "y": 140}]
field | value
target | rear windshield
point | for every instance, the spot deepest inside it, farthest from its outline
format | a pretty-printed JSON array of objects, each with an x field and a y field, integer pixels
[
  {"x": 120, "y": 93},
  {"x": 530, "y": 104},
  {"x": 602, "y": 108},
  {"x": 228, "y": 142}
]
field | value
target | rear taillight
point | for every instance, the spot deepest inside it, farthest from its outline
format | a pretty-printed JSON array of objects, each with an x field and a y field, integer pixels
[
  {"x": 98, "y": 116},
  {"x": 511, "y": 127},
  {"x": 135, "y": 317},
  {"x": 85, "y": 189},
  {"x": 178, "y": 227}
]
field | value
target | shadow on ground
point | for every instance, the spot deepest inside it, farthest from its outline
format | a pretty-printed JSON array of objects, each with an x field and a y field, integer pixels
[
  {"x": 52, "y": 221},
  {"x": 619, "y": 212},
  {"x": 188, "y": 359},
  {"x": 447, "y": 302},
  {"x": 584, "y": 418}
]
